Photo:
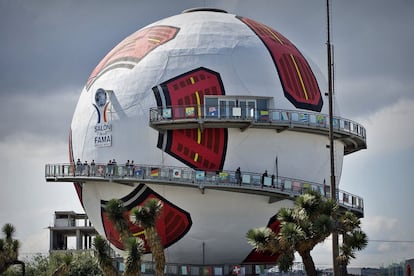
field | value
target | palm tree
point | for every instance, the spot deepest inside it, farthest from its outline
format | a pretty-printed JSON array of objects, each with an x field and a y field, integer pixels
[
  {"x": 302, "y": 227},
  {"x": 9, "y": 248},
  {"x": 102, "y": 249},
  {"x": 146, "y": 217}
]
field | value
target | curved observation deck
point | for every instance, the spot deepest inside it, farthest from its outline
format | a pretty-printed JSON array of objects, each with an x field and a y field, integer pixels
[
  {"x": 275, "y": 187},
  {"x": 352, "y": 134}
]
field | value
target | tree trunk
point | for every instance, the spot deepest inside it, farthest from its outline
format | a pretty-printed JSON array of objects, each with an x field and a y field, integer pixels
[
  {"x": 157, "y": 250},
  {"x": 308, "y": 263},
  {"x": 343, "y": 271},
  {"x": 109, "y": 271}
]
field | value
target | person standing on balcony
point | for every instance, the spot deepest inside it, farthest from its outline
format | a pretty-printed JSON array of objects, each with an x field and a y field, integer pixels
[
  {"x": 93, "y": 168},
  {"x": 78, "y": 167},
  {"x": 114, "y": 167},
  {"x": 127, "y": 169},
  {"x": 109, "y": 168},
  {"x": 86, "y": 168},
  {"x": 238, "y": 176},
  {"x": 132, "y": 168},
  {"x": 263, "y": 177}
]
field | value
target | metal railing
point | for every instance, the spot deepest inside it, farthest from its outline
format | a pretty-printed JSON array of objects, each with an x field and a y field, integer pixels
[
  {"x": 252, "y": 182},
  {"x": 173, "y": 117}
]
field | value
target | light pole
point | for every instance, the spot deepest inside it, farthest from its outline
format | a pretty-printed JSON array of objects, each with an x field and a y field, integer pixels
[{"x": 335, "y": 243}]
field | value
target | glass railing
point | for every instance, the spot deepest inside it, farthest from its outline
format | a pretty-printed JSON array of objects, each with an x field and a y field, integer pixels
[
  {"x": 275, "y": 117},
  {"x": 256, "y": 182}
]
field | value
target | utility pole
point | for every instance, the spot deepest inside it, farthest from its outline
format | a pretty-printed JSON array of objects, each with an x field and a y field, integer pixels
[{"x": 335, "y": 242}]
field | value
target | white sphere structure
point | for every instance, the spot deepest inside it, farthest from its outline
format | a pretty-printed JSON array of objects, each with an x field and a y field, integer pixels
[{"x": 205, "y": 92}]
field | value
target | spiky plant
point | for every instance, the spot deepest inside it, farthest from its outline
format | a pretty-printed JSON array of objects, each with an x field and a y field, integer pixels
[
  {"x": 309, "y": 222},
  {"x": 9, "y": 248},
  {"x": 102, "y": 250},
  {"x": 353, "y": 239},
  {"x": 115, "y": 211},
  {"x": 135, "y": 248},
  {"x": 146, "y": 216}
]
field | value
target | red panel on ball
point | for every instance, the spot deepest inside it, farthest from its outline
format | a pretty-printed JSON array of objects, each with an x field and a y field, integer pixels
[
  {"x": 298, "y": 81},
  {"x": 184, "y": 94},
  {"x": 172, "y": 224},
  {"x": 132, "y": 49}
]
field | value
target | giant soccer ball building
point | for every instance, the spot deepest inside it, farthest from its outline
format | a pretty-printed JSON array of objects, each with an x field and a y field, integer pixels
[{"x": 189, "y": 99}]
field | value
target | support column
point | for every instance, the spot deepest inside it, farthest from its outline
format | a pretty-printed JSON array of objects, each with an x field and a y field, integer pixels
[{"x": 78, "y": 240}]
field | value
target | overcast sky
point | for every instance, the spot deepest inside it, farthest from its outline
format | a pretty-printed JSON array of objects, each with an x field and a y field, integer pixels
[{"x": 49, "y": 48}]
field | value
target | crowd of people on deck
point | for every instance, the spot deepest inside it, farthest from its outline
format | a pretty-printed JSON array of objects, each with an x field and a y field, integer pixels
[{"x": 111, "y": 168}]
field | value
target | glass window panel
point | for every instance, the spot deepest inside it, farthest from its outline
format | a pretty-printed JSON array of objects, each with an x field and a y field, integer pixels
[
  {"x": 256, "y": 179},
  {"x": 288, "y": 184},
  {"x": 312, "y": 119},
  {"x": 237, "y": 111},
  {"x": 335, "y": 123},
  {"x": 246, "y": 178},
  {"x": 303, "y": 118},
  {"x": 166, "y": 113},
  {"x": 267, "y": 181},
  {"x": 230, "y": 105},
  {"x": 321, "y": 120},
  {"x": 346, "y": 125},
  {"x": 244, "y": 110},
  {"x": 251, "y": 106},
  {"x": 223, "y": 109},
  {"x": 262, "y": 104},
  {"x": 211, "y": 106},
  {"x": 276, "y": 116},
  {"x": 284, "y": 116}
]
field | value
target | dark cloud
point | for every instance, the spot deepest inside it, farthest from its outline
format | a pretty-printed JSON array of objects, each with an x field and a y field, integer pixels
[
  {"x": 374, "y": 38},
  {"x": 45, "y": 115},
  {"x": 50, "y": 44}
]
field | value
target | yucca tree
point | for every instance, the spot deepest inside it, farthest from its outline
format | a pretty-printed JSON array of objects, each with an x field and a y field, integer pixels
[
  {"x": 353, "y": 238},
  {"x": 64, "y": 268},
  {"x": 309, "y": 223},
  {"x": 135, "y": 248},
  {"x": 102, "y": 250},
  {"x": 263, "y": 239},
  {"x": 302, "y": 227},
  {"x": 146, "y": 216},
  {"x": 115, "y": 211},
  {"x": 9, "y": 248}
]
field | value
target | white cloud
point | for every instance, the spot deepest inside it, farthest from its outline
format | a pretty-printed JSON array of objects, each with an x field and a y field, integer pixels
[
  {"x": 388, "y": 242},
  {"x": 35, "y": 243},
  {"x": 378, "y": 224},
  {"x": 27, "y": 201},
  {"x": 391, "y": 128},
  {"x": 384, "y": 246}
]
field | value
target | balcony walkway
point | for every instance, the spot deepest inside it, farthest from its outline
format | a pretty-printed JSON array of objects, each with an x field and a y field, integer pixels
[
  {"x": 276, "y": 187},
  {"x": 352, "y": 134}
]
